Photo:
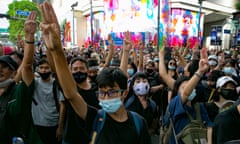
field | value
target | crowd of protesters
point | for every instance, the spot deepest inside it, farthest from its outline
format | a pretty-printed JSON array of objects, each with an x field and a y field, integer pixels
[{"x": 113, "y": 96}]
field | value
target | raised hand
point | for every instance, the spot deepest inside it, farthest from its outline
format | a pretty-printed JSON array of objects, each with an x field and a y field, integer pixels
[
  {"x": 110, "y": 40},
  {"x": 50, "y": 27},
  {"x": 203, "y": 63},
  {"x": 30, "y": 25},
  {"x": 127, "y": 41}
]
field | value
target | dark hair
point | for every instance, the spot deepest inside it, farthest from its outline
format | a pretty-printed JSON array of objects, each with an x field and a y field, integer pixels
[
  {"x": 231, "y": 61},
  {"x": 110, "y": 76},
  {"x": 177, "y": 84},
  {"x": 42, "y": 61},
  {"x": 18, "y": 54},
  {"x": 136, "y": 76},
  {"x": 133, "y": 66},
  {"x": 192, "y": 67},
  {"x": 215, "y": 74},
  {"x": 73, "y": 60}
]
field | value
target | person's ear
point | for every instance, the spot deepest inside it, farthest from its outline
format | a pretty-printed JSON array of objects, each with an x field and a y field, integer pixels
[{"x": 125, "y": 93}]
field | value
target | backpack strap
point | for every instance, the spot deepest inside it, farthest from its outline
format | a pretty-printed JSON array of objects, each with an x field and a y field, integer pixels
[
  {"x": 137, "y": 119},
  {"x": 198, "y": 113},
  {"x": 129, "y": 101},
  {"x": 55, "y": 96},
  {"x": 211, "y": 95},
  {"x": 97, "y": 126},
  {"x": 100, "y": 119}
]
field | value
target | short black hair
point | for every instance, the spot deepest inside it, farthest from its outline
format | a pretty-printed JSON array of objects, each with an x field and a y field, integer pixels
[
  {"x": 73, "y": 60},
  {"x": 18, "y": 54},
  {"x": 133, "y": 66},
  {"x": 110, "y": 76},
  {"x": 177, "y": 84},
  {"x": 42, "y": 61}
]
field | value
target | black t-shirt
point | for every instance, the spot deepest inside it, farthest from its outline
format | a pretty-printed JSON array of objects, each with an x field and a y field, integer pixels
[
  {"x": 89, "y": 96},
  {"x": 75, "y": 129},
  {"x": 114, "y": 132},
  {"x": 226, "y": 126},
  {"x": 137, "y": 107},
  {"x": 212, "y": 110}
]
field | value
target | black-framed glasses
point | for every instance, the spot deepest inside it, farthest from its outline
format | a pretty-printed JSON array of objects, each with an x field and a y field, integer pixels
[{"x": 110, "y": 93}]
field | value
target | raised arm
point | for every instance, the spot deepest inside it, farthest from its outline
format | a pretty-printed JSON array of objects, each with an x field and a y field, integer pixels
[
  {"x": 140, "y": 63},
  {"x": 30, "y": 28},
  {"x": 111, "y": 51},
  {"x": 51, "y": 35},
  {"x": 125, "y": 55},
  {"x": 191, "y": 84},
  {"x": 162, "y": 70}
]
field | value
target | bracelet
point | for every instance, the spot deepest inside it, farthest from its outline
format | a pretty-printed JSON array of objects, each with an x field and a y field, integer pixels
[
  {"x": 198, "y": 75},
  {"x": 29, "y": 42}
]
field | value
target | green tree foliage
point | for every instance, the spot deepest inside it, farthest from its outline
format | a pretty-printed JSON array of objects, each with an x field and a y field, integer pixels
[
  {"x": 16, "y": 23},
  {"x": 238, "y": 6}
]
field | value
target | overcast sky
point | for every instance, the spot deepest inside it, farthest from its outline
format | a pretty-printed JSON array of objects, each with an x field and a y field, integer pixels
[{"x": 4, "y": 9}]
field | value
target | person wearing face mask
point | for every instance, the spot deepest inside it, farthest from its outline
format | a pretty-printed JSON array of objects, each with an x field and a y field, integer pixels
[
  {"x": 172, "y": 66},
  {"x": 119, "y": 127},
  {"x": 213, "y": 62},
  {"x": 138, "y": 98},
  {"x": 93, "y": 72},
  {"x": 229, "y": 68},
  {"x": 74, "y": 131},
  {"x": 184, "y": 97},
  {"x": 225, "y": 91},
  {"x": 226, "y": 122},
  {"x": 47, "y": 105}
]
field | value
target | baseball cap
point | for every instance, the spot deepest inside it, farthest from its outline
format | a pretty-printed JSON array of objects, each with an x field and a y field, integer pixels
[
  {"x": 213, "y": 57},
  {"x": 7, "y": 50},
  {"x": 9, "y": 61},
  {"x": 223, "y": 80}
]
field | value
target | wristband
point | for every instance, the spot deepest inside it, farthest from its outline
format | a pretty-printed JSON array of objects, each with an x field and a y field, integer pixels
[
  {"x": 198, "y": 75},
  {"x": 29, "y": 42}
]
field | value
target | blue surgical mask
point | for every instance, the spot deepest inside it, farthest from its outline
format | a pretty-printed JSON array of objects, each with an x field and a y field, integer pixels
[
  {"x": 111, "y": 105},
  {"x": 229, "y": 70},
  {"x": 192, "y": 95},
  {"x": 212, "y": 63},
  {"x": 171, "y": 67},
  {"x": 130, "y": 72}
]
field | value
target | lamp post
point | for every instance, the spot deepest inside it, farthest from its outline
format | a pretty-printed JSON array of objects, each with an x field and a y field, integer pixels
[
  {"x": 158, "y": 24},
  {"x": 91, "y": 21},
  {"x": 72, "y": 6},
  {"x": 199, "y": 24}
]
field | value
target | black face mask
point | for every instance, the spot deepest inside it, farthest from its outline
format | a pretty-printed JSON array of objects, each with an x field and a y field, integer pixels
[
  {"x": 149, "y": 71},
  {"x": 79, "y": 77},
  {"x": 229, "y": 94},
  {"x": 44, "y": 76}
]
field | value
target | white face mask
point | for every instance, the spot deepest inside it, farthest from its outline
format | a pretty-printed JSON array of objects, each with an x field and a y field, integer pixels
[
  {"x": 141, "y": 88},
  {"x": 212, "y": 63}
]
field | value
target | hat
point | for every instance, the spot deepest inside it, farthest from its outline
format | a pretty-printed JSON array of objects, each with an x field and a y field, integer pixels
[
  {"x": 213, "y": 57},
  {"x": 9, "y": 61},
  {"x": 7, "y": 50},
  {"x": 223, "y": 80}
]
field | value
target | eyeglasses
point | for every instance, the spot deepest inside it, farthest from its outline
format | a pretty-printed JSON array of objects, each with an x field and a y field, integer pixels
[{"x": 110, "y": 93}]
